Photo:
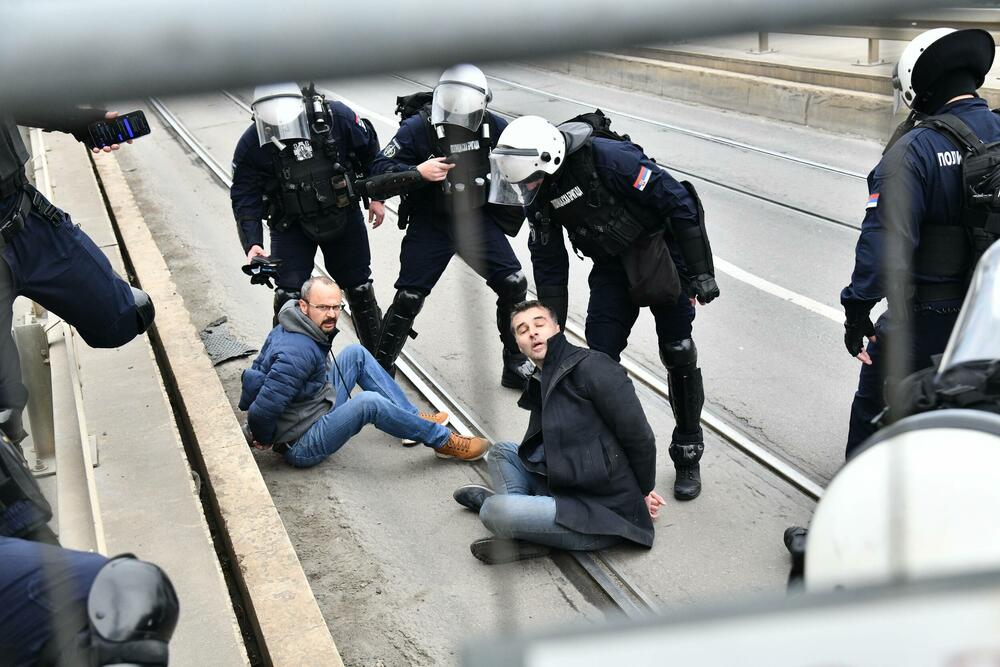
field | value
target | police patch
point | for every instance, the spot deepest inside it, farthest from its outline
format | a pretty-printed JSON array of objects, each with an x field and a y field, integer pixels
[{"x": 390, "y": 149}]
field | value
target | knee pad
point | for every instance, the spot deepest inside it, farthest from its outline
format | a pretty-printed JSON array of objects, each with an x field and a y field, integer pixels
[
  {"x": 512, "y": 288},
  {"x": 145, "y": 311},
  {"x": 679, "y": 354},
  {"x": 408, "y": 302},
  {"x": 283, "y": 296},
  {"x": 132, "y": 610}
]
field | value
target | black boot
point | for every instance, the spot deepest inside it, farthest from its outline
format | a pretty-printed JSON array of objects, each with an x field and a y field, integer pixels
[
  {"x": 687, "y": 484},
  {"x": 365, "y": 314},
  {"x": 687, "y": 396},
  {"x": 396, "y": 327},
  {"x": 12, "y": 426},
  {"x": 281, "y": 297},
  {"x": 511, "y": 291}
]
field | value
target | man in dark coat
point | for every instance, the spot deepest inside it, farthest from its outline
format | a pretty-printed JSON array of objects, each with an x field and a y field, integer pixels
[{"x": 583, "y": 476}]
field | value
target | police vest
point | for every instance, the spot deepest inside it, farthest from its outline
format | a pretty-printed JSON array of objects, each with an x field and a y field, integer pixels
[
  {"x": 311, "y": 187},
  {"x": 599, "y": 224},
  {"x": 953, "y": 250}
]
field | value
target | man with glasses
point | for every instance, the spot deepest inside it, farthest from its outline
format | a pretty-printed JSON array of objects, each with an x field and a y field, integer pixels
[{"x": 299, "y": 404}]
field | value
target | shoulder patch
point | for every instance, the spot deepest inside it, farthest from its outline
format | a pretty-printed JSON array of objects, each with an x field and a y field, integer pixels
[
  {"x": 391, "y": 148},
  {"x": 642, "y": 178},
  {"x": 872, "y": 201}
]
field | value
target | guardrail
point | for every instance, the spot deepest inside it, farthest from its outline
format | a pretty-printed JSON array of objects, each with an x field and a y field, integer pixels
[{"x": 901, "y": 30}]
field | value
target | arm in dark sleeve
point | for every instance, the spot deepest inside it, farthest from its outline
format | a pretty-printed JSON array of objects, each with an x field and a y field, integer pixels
[
  {"x": 250, "y": 164},
  {"x": 403, "y": 151},
  {"x": 896, "y": 205},
  {"x": 72, "y": 120},
  {"x": 614, "y": 398},
  {"x": 282, "y": 384},
  {"x": 636, "y": 177},
  {"x": 358, "y": 134},
  {"x": 549, "y": 260}
]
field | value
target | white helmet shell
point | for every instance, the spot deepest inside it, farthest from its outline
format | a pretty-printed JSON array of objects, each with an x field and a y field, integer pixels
[
  {"x": 902, "y": 78},
  {"x": 460, "y": 98},
  {"x": 528, "y": 149},
  {"x": 279, "y": 113}
]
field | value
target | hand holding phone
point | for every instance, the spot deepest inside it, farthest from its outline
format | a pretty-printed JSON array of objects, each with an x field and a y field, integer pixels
[{"x": 104, "y": 134}]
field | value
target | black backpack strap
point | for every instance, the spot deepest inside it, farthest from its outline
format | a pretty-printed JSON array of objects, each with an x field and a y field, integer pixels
[{"x": 955, "y": 129}]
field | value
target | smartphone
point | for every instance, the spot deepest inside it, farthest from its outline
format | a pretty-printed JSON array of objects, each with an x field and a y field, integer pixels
[{"x": 118, "y": 130}]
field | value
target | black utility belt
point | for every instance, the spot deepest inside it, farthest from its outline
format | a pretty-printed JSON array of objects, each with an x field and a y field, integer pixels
[
  {"x": 924, "y": 293},
  {"x": 30, "y": 199}
]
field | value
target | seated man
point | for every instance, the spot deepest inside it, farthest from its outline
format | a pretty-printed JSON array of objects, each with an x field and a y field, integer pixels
[
  {"x": 301, "y": 406},
  {"x": 582, "y": 478}
]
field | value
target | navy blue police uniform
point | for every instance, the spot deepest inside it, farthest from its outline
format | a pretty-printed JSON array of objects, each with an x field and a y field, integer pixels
[
  {"x": 432, "y": 238},
  {"x": 50, "y": 260},
  {"x": 623, "y": 183},
  {"x": 347, "y": 256},
  {"x": 916, "y": 195}
]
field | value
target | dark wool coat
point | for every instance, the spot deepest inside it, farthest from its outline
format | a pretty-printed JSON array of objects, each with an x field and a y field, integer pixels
[{"x": 588, "y": 433}]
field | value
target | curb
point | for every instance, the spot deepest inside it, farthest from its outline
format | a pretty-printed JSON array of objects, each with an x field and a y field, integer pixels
[{"x": 284, "y": 613}]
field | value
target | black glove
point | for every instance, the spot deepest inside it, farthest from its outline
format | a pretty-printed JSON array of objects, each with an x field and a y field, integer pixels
[
  {"x": 262, "y": 269},
  {"x": 857, "y": 325},
  {"x": 703, "y": 287}
]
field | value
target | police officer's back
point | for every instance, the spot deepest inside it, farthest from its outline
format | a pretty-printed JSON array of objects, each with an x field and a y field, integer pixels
[{"x": 920, "y": 239}]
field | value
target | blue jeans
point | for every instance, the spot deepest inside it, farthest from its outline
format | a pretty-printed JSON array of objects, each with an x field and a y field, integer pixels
[
  {"x": 381, "y": 403},
  {"x": 523, "y": 509}
]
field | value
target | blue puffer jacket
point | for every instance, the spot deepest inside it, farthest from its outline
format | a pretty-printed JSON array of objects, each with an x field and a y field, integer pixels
[{"x": 287, "y": 388}]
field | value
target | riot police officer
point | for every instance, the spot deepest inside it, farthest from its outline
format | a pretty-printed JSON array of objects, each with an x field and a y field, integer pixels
[
  {"x": 47, "y": 258},
  {"x": 295, "y": 166},
  {"x": 449, "y": 148},
  {"x": 645, "y": 233},
  {"x": 919, "y": 230}
]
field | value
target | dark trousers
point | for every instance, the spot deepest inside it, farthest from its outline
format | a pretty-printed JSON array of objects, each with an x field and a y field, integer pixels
[
  {"x": 347, "y": 258},
  {"x": 611, "y": 315},
  {"x": 38, "y": 583},
  {"x": 928, "y": 336},
  {"x": 429, "y": 245},
  {"x": 62, "y": 269}
]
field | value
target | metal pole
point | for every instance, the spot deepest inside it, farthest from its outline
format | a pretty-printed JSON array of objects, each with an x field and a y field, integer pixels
[
  {"x": 57, "y": 50},
  {"x": 33, "y": 350}
]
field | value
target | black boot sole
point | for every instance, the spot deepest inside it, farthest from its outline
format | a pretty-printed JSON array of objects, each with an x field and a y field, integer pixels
[{"x": 684, "y": 496}]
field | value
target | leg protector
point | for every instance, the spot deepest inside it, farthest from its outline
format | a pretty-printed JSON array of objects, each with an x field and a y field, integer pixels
[
  {"x": 145, "y": 311},
  {"x": 396, "y": 325},
  {"x": 512, "y": 290},
  {"x": 366, "y": 314},
  {"x": 687, "y": 396},
  {"x": 281, "y": 297}
]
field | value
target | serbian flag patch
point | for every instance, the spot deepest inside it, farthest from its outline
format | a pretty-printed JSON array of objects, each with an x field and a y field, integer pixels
[
  {"x": 872, "y": 201},
  {"x": 642, "y": 178}
]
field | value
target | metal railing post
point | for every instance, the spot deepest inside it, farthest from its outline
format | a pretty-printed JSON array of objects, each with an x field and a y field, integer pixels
[
  {"x": 33, "y": 352},
  {"x": 763, "y": 44}
]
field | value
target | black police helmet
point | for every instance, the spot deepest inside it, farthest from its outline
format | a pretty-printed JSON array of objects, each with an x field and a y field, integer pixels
[{"x": 953, "y": 65}]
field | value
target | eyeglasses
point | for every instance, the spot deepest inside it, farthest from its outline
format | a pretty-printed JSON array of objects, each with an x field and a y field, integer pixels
[{"x": 327, "y": 309}]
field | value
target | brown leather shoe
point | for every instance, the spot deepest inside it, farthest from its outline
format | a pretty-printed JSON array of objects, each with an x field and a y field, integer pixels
[
  {"x": 465, "y": 447},
  {"x": 440, "y": 418}
]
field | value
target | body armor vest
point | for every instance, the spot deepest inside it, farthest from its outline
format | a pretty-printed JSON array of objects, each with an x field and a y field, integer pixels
[
  {"x": 599, "y": 223},
  {"x": 311, "y": 187}
]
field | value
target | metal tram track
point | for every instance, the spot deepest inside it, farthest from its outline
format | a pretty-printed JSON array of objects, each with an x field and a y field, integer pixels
[
  {"x": 698, "y": 135},
  {"x": 650, "y": 379},
  {"x": 612, "y": 583}
]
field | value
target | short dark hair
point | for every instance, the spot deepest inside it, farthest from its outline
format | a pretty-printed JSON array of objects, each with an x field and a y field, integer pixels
[{"x": 528, "y": 305}]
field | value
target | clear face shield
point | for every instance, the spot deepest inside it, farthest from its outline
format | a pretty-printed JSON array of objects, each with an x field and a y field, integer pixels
[
  {"x": 280, "y": 119},
  {"x": 514, "y": 180},
  {"x": 458, "y": 104},
  {"x": 975, "y": 336}
]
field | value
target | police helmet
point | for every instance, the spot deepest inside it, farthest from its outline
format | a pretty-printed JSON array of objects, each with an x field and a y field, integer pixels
[
  {"x": 279, "y": 113},
  {"x": 460, "y": 98},
  {"x": 940, "y": 64},
  {"x": 527, "y": 150}
]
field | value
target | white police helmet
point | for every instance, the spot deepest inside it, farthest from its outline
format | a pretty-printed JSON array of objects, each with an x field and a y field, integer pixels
[
  {"x": 279, "y": 113},
  {"x": 460, "y": 98},
  {"x": 936, "y": 56},
  {"x": 527, "y": 150}
]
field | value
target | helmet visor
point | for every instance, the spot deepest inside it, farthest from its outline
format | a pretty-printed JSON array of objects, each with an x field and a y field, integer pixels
[
  {"x": 974, "y": 337},
  {"x": 458, "y": 104},
  {"x": 514, "y": 178},
  {"x": 281, "y": 118}
]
